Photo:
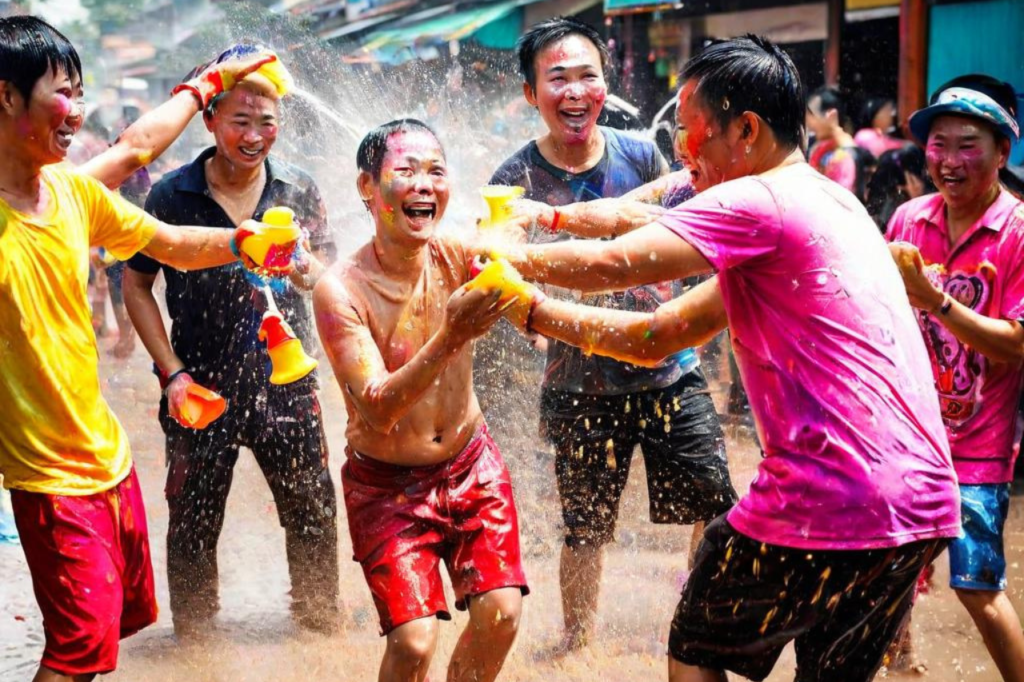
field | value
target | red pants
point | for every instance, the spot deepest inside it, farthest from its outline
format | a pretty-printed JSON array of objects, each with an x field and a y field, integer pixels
[
  {"x": 91, "y": 572},
  {"x": 405, "y": 520}
]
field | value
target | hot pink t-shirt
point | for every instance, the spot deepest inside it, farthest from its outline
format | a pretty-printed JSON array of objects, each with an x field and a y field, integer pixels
[
  {"x": 855, "y": 453},
  {"x": 984, "y": 271}
]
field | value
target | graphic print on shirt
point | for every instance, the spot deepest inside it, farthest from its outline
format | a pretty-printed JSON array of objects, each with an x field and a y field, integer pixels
[{"x": 959, "y": 369}]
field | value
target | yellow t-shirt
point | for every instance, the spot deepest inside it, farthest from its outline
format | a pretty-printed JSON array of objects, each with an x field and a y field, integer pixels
[{"x": 57, "y": 433}]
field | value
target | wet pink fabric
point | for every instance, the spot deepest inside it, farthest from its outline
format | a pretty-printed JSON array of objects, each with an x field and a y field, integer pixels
[
  {"x": 855, "y": 453},
  {"x": 984, "y": 271}
]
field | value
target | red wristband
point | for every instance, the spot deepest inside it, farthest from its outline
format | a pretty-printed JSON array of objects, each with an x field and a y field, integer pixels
[
  {"x": 538, "y": 298},
  {"x": 555, "y": 219}
]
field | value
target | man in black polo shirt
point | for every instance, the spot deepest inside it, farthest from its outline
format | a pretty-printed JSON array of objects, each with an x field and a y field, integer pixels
[{"x": 216, "y": 316}]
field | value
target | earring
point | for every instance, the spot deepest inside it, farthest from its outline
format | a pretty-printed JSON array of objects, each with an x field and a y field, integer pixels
[{"x": 748, "y": 150}]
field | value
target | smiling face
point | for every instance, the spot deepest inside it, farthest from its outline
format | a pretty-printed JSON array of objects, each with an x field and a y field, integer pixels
[
  {"x": 244, "y": 125},
  {"x": 711, "y": 154},
  {"x": 410, "y": 198},
  {"x": 45, "y": 124},
  {"x": 570, "y": 88},
  {"x": 964, "y": 157}
]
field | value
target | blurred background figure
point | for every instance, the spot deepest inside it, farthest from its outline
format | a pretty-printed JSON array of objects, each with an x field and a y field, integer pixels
[
  {"x": 876, "y": 125},
  {"x": 834, "y": 153},
  {"x": 899, "y": 176}
]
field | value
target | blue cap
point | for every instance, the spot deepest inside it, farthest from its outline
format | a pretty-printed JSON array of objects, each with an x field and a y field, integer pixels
[{"x": 963, "y": 101}]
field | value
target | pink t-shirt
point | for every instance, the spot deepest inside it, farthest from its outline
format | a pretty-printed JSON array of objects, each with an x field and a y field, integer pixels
[
  {"x": 855, "y": 453},
  {"x": 985, "y": 272},
  {"x": 876, "y": 142}
]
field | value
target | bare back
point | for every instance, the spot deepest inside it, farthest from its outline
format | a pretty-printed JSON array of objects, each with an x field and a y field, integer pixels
[{"x": 373, "y": 326}]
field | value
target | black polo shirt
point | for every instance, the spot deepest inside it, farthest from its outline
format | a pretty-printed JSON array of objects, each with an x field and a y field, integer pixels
[{"x": 216, "y": 313}]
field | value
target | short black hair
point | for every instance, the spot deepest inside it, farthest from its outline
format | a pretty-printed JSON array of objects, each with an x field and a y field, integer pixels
[
  {"x": 830, "y": 98},
  {"x": 869, "y": 109},
  {"x": 531, "y": 43},
  {"x": 370, "y": 155},
  {"x": 753, "y": 74},
  {"x": 29, "y": 47}
]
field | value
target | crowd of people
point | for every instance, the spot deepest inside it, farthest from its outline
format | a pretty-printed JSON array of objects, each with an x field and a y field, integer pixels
[{"x": 883, "y": 367}]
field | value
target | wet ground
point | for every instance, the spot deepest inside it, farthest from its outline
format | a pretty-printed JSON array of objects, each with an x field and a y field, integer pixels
[{"x": 258, "y": 642}]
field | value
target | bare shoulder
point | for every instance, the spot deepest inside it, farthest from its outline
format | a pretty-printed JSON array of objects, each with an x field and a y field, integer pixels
[{"x": 339, "y": 282}]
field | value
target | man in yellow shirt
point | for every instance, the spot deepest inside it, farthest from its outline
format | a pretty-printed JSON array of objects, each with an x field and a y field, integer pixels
[{"x": 63, "y": 453}]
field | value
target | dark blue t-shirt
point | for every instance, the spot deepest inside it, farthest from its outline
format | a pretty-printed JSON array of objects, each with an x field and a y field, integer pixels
[
  {"x": 216, "y": 312},
  {"x": 629, "y": 162}
]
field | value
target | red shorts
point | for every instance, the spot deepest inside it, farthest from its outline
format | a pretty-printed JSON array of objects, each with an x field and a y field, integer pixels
[
  {"x": 91, "y": 572},
  {"x": 405, "y": 520}
]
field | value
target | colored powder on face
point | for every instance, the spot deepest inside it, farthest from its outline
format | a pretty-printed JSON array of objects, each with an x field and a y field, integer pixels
[{"x": 61, "y": 109}]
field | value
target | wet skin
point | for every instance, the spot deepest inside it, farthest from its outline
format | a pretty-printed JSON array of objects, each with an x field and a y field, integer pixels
[
  {"x": 245, "y": 126},
  {"x": 406, "y": 367},
  {"x": 570, "y": 92},
  {"x": 964, "y": 157}
]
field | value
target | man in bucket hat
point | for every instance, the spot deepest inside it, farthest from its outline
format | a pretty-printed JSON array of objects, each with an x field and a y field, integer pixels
[{"x": 959, "y": 253}]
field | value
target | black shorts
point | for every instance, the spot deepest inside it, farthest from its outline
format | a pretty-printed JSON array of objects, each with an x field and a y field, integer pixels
[
  {"x": 681, "y": 438},
  {"x": 745, "y": 600}
]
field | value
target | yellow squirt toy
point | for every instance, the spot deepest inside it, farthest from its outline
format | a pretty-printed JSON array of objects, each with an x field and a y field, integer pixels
[
  {"x": 499, "y": 274},
  {"x": 499, "y": 200},
  {"x": 271, "y": 244}
]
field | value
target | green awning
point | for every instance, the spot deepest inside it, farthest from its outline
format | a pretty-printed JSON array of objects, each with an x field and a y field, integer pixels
[{"x": 496, "y": 25}]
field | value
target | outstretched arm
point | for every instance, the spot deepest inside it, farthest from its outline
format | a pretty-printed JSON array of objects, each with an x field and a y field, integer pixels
[
  {"x": 191, "y": 248},
  {"x": 644, "y": 256},
  {"x": 644, "y": 339},
  {"x": 153, "y": 133},
  {"x": 383, "y": 397}
]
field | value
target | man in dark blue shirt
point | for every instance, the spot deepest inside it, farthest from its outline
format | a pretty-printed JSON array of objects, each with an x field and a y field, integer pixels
[
  {"x": 593, "y": 409},
  {"x": 216, "y": 316}
]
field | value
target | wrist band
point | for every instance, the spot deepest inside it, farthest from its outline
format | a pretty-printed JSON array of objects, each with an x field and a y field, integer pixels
[
  {"x": 193, "y": 90},
  {"x": 555, "y": 219},
  {"x": 947, "y": 303},
  {"x": 538, "y": 298},
  {"x": 165, "y": 381}
]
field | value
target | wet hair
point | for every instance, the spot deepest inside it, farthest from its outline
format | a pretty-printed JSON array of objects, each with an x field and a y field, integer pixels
[
  {"x": 550, "y": 31},
  {"x": 868, "y": 110},
  {"x": 750, "y": 74},
  {"x": 29, "y": 47},
  {"x": 884, "y": 189},
  {"x": 370, "y": 155},
  {"x": 830, "y": 98}
]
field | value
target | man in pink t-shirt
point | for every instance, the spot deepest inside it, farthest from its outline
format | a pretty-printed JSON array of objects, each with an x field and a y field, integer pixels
[
  {"x": 960, "y": 253},
  {"x": 856, "y": 493}
]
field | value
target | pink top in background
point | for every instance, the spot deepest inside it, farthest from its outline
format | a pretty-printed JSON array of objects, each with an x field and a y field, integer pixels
[
  {"x": 855, "y": 452},
  {"x": 836, "y": 163},
  {"x": 984, "y": 271},
  {"x": 876, "y": 142}
]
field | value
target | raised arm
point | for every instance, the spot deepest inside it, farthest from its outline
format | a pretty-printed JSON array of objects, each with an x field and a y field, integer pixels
[
  {"x": 153, "y": 133},
  {"x": 644, "y": 256},
  {"x": 380, "y": 396},
  {"x": 644, "y": 339},
  {"x": 143, "y": 141}
]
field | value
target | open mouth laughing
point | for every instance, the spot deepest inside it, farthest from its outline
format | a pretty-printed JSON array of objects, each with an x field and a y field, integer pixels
[{"x": 420, "y": 211}]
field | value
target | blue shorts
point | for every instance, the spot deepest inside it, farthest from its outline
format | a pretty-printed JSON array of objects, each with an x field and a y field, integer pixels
[{"x": 976, "y": 559}]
